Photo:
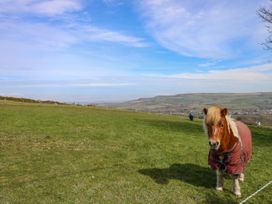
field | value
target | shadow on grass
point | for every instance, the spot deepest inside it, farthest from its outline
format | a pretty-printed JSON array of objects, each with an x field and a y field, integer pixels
[
  {"x": 190, "y": 173},
  {"x": 193, "y": 174}
]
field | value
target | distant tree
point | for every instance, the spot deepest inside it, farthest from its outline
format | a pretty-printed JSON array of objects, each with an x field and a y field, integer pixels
[{"x": 266, "y": 15}]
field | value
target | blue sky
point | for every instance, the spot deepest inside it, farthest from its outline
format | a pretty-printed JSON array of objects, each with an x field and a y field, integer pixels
[{"x": 116, "y": 50}]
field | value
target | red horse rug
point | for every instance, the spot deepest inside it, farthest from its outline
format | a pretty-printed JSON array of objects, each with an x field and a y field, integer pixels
[{"x": 234, "y": 160}]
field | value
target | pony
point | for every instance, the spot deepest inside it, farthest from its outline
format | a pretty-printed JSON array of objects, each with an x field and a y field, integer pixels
[{"x": 230, "y": 146}]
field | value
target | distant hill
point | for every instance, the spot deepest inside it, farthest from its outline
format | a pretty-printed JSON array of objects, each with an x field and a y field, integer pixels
[
  {"x": 27, "y": 100},
  {"x": 253, "y": 105}
]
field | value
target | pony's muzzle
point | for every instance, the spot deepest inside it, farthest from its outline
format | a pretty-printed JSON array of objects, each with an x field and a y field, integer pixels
[{"x": 214, "y": 144}]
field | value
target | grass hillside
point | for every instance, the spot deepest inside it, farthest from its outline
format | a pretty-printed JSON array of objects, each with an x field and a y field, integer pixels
[{"x": 74, "y": 154}]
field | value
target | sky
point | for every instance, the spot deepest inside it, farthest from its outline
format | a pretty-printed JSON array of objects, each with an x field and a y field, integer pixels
[{"x": 91, "y": 51}]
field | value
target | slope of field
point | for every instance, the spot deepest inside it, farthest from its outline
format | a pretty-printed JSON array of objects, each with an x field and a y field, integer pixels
[{"x": 73, "y": 154}]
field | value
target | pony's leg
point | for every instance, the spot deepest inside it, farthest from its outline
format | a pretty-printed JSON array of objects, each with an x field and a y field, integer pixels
[
  {"x": 236, "y": 186},
  {"x": 242, "y": 177},
  {"x": 219, "y": 180}
]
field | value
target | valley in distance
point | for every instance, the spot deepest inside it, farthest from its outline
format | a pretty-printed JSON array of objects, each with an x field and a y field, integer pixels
[{"x": 251, "y": 108}]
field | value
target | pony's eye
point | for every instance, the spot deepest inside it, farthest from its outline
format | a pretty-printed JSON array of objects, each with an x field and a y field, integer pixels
[{"x": 221, "y": 124}]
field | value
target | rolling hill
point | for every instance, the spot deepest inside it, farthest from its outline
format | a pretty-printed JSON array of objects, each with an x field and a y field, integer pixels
[{"x": 255, "y": 106}]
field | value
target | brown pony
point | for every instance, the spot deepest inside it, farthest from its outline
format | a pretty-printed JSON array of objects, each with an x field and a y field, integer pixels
[{"x": 230, "y": 146}]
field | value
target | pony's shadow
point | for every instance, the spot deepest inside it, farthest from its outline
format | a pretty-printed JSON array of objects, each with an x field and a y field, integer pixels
[{"x": 190, "y": 173}]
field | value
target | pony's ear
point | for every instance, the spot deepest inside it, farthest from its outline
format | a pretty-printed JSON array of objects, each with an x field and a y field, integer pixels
[
  {"x": 205, "y": 111},
  {"x": 224, "y": 112}
]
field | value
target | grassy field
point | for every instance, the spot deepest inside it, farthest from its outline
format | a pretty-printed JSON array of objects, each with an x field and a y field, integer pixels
[{"x": 73, "y": 154}]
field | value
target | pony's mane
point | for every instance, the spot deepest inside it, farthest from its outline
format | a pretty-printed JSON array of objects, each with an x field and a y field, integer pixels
[
  {"x": 213, "y": 116},
  {"x": 233, "y": 127}
]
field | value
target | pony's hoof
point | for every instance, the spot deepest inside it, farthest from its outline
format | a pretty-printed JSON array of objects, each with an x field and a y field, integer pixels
[
  {"x": 241, "y": 177},
  {"x": 238, "y": 194},
  {"x": 219, "y": 188}
]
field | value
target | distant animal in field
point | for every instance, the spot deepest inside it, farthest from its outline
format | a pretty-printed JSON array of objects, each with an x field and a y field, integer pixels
[
  {"x": 258, "y": 123},
  {"x": 230, "y": 146}
]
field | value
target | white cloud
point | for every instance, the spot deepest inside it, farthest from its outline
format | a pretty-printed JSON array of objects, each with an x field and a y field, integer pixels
[
  {"x": 56, "y": 7},
  {"x": 70, "y": 85},
  {"x": 49, "y": 36},
  {"x": 66, "y": 31},
  {"x": 209, "y": 63},
  {"x": 36, "y": 34},
  {"x": 204, "y": 28},
  {"x": 257, "y": 73},
  {"x": 42, "y": 7},
  {"x": 97, "y": 34}
]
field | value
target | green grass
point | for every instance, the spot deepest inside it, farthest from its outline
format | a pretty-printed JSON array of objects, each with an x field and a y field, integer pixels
[{"x": 72, "y": 154}]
